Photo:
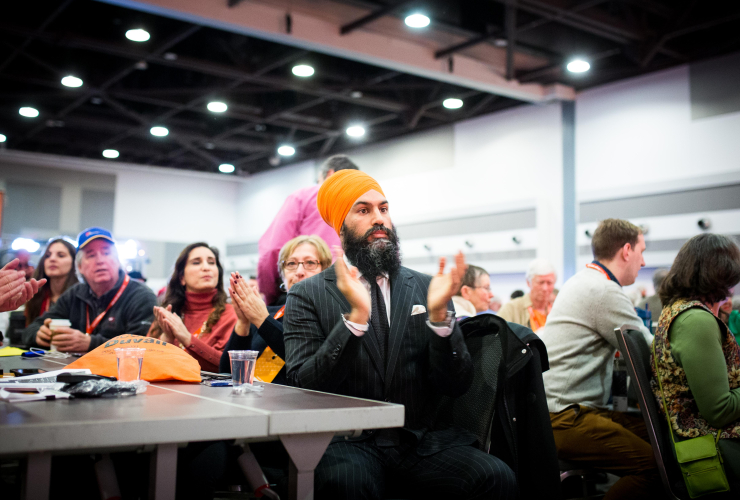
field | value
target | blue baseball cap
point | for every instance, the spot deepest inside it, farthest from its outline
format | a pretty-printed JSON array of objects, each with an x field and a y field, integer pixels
[{"x": 93, "y": 233}]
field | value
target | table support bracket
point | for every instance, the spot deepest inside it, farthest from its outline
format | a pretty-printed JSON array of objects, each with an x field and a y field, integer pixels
[
  {"x": 163, "y": 474},
  {"x": 38, "y": 476},
  {"x": 305, "y": 451}
]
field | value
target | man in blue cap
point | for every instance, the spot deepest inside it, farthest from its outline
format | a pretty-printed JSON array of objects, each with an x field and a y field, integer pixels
[{"x": 108, "y": 303}]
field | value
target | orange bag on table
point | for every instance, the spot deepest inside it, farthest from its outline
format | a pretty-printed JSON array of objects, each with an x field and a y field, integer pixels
[{"x": 162, "y": 361}]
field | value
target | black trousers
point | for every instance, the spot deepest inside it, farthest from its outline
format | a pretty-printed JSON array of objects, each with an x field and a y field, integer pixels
[{"x": 354, "y": 470}]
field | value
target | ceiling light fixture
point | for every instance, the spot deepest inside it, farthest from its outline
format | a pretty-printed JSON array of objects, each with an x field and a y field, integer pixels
[
  {"x": 159, "y": 131},
  {"x": 28, "y": 112},
  {"x": 226, "y": 168},
  {"x": 138, "y": 35},
  {"x": 217, "y": 107},
  {"x": 578, "y": 66},
  {"x": 71, "y": 81},
  {"x": 303, "y": 70},
  {"x": 286, "y": 150},
  {"x": 355, "y": 131},
  {"x": 452, "y": 103},
  {"x": 417, "y": 21},
  {"x": 25, "y": 244},
  {"x": 3, "y": 138},
  {"x": 111, "y": 153}
]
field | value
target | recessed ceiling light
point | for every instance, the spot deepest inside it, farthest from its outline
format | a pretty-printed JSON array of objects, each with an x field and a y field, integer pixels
[
  {"x": 356, "y": 131},
  {"x": 159, "y": 131},
  {"x": 578, "y": 66},
  {"x": 29, "y": 112},
  {"x": 303, "y": 70},
  {"x": 137, "y": 35},
  {"x": 217, "y": 107},
  {"x": 170, "y": 56},
  {"x": 3, "y": 138},
  {"x": 111, "y": 153},
  {"x": 71, "y": 81},
  {"x": 355, "y": 94},
  {"x": 452, "y": 103},
  {"x": 417, "y": 21},
  {"x": 226, "y": 168},
  {"x": 286, "y": 150}
]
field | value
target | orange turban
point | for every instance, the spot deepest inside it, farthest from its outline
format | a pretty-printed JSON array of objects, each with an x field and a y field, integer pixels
[{"x": 339, "y": 192}]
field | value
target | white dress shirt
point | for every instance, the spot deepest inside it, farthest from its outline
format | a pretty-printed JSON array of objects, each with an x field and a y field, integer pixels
[{"x": 384, "y": 283}]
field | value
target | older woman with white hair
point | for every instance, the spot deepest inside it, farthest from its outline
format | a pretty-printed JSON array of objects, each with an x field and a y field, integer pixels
[{"x": 532, "y": 309}]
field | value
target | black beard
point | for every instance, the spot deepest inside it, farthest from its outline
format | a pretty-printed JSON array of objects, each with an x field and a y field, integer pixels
[{"x": 381, "y": 256}]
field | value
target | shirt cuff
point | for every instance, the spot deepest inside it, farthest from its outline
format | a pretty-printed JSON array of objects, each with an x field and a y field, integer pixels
[
  {"x": 444, "y": 328},
  {"x": 357, "y": 329}
]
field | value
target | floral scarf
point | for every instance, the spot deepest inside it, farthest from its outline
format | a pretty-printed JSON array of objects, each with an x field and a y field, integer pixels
[{"x": 685, "y": 417}]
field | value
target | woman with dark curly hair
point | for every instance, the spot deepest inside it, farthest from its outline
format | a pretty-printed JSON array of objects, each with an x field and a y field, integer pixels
[
  {"x": 698, "y": 358},
  {"x": 194, "y": 314},
  {"x": 57, "y": 266}
]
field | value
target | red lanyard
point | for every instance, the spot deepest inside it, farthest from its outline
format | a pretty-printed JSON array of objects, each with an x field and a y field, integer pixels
[
  {"x": 594, "y": 266},
  {"x": 46, "y": 302},
  {"x": 91, "y": 328},
  {"x": 280, "y": 313}
]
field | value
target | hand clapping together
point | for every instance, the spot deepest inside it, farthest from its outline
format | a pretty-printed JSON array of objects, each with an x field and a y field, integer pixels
[
  {"x": 14, "y": 289},
  {"x": 248, "y": 305}
]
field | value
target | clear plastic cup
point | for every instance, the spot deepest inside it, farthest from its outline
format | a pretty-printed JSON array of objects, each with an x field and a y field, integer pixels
[
  {"x": 242, "y": 366},
  {"x": 54, "y": 324},
  {"x": 129, "y": 361}
]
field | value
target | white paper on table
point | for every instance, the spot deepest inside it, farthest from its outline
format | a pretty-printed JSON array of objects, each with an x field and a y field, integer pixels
[
  {"x": 41, "y": 377},
  {"x": 29, "y": 393}
]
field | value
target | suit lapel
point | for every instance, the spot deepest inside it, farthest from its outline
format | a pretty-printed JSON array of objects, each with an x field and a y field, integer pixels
[
  {"x": 402, "y": 296},
  {"x": 369, "y": 340}
]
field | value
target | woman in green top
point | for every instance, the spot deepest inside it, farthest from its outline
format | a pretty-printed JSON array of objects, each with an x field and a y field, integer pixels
[{"x": 698, "y": 358}]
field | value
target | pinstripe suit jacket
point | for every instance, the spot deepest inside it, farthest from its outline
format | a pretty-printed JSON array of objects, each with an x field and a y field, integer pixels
[{"x": 420, "y": 366}]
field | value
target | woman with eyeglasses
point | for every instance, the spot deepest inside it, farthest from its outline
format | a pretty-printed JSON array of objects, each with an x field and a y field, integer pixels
[
  {"x": 57, "y": 266},
  {"x": 300, "y": 258},
  {"x": 474, "y": 295}
]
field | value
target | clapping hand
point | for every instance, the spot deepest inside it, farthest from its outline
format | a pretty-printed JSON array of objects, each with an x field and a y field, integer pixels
[
  {"x": 172, "y": 326},
  {"x": 14, "y": 289},
  {"x": 352, "y": 288},
  {"x": 443, "y": 287},
  {"x": 248, "y": 302}
]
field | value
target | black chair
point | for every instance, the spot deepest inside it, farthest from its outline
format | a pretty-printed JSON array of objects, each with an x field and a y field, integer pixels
[{"x": 633, "y": 346}]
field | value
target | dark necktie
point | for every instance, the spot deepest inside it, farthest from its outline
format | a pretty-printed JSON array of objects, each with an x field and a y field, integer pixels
[{"x": 379, "y": 317}]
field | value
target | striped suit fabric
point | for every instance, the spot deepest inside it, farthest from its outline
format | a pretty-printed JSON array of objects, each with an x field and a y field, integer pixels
[{"x": 419, "y": 367}]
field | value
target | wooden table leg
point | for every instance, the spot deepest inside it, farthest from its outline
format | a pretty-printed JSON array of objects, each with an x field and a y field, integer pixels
[
  {"x": 163, "y": 475},
  {"x": 38, "y": 476},
  {"x": 305, "y": 451}
]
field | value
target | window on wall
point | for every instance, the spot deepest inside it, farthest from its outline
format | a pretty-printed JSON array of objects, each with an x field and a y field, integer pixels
[{"x": 30, "y": 207}]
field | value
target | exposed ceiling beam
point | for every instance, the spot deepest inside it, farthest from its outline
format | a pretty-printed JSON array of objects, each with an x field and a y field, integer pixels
[
  {"x": 319, "y": 34},
  {"x": 359, "y": 23}
]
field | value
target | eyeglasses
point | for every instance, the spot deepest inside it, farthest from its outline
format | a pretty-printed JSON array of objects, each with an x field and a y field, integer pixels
[
  {"x": 292, "y": 265},
  {"x": 486, "y": 288}
]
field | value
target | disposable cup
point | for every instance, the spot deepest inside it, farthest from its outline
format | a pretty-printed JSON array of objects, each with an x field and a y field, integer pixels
[
  {"x": 129, "y": 361},
  {"x": 242, "y": 366},
  {"x": 53, "y": 325}
]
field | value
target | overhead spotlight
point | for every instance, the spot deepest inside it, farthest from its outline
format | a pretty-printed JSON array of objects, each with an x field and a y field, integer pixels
[
  {"x": 159, "y": 131},
  {"x": 111, "y": 153},
  {"x": 286, "y": 150},
  {"x": 226, "y": 168},
  {"x": 452, "y": 103},
  {"x": 355, "y": 94},
  {"x": 71, "y": 81},
  {"x": 141, "y": 65},
  {"x": 217, "y": 107},
  {"x": 170, "y": 56},
  {"x": 25, "y": 244},
  {"x": 417, "y": 21},
  {"x": 303, "y": 70},
  {"x": 355, "y": 131},
  {"x": 138, "y": 35},
  {"x": 578, "y": 66},
  {"x": 3, "y": 138},
  {"x": 28, "y": 112}
]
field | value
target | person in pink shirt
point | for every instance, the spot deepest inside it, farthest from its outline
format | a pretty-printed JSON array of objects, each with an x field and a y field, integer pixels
[{"x": 298, "y": 216}]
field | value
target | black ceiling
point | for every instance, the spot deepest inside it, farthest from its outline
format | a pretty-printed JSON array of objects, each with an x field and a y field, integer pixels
[{"x": 129, "y": 87}]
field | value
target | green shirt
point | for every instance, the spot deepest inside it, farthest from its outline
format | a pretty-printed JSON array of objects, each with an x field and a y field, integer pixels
[{"x": 696, "y": 344}]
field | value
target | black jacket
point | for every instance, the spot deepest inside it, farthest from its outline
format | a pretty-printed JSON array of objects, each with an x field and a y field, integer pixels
[
  {"x": 133, "y": 313},
  {"x": 506, "y": 407},
  {"x": 419, "y": 366},
  {"x": 270, "y": 333}
]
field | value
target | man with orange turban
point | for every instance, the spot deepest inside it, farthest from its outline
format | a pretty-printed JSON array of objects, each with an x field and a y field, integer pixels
[{"x": 370, "y": 328}]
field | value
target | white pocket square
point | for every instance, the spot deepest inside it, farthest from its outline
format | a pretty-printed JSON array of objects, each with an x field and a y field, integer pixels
[{"x": 418, "y": 309}]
